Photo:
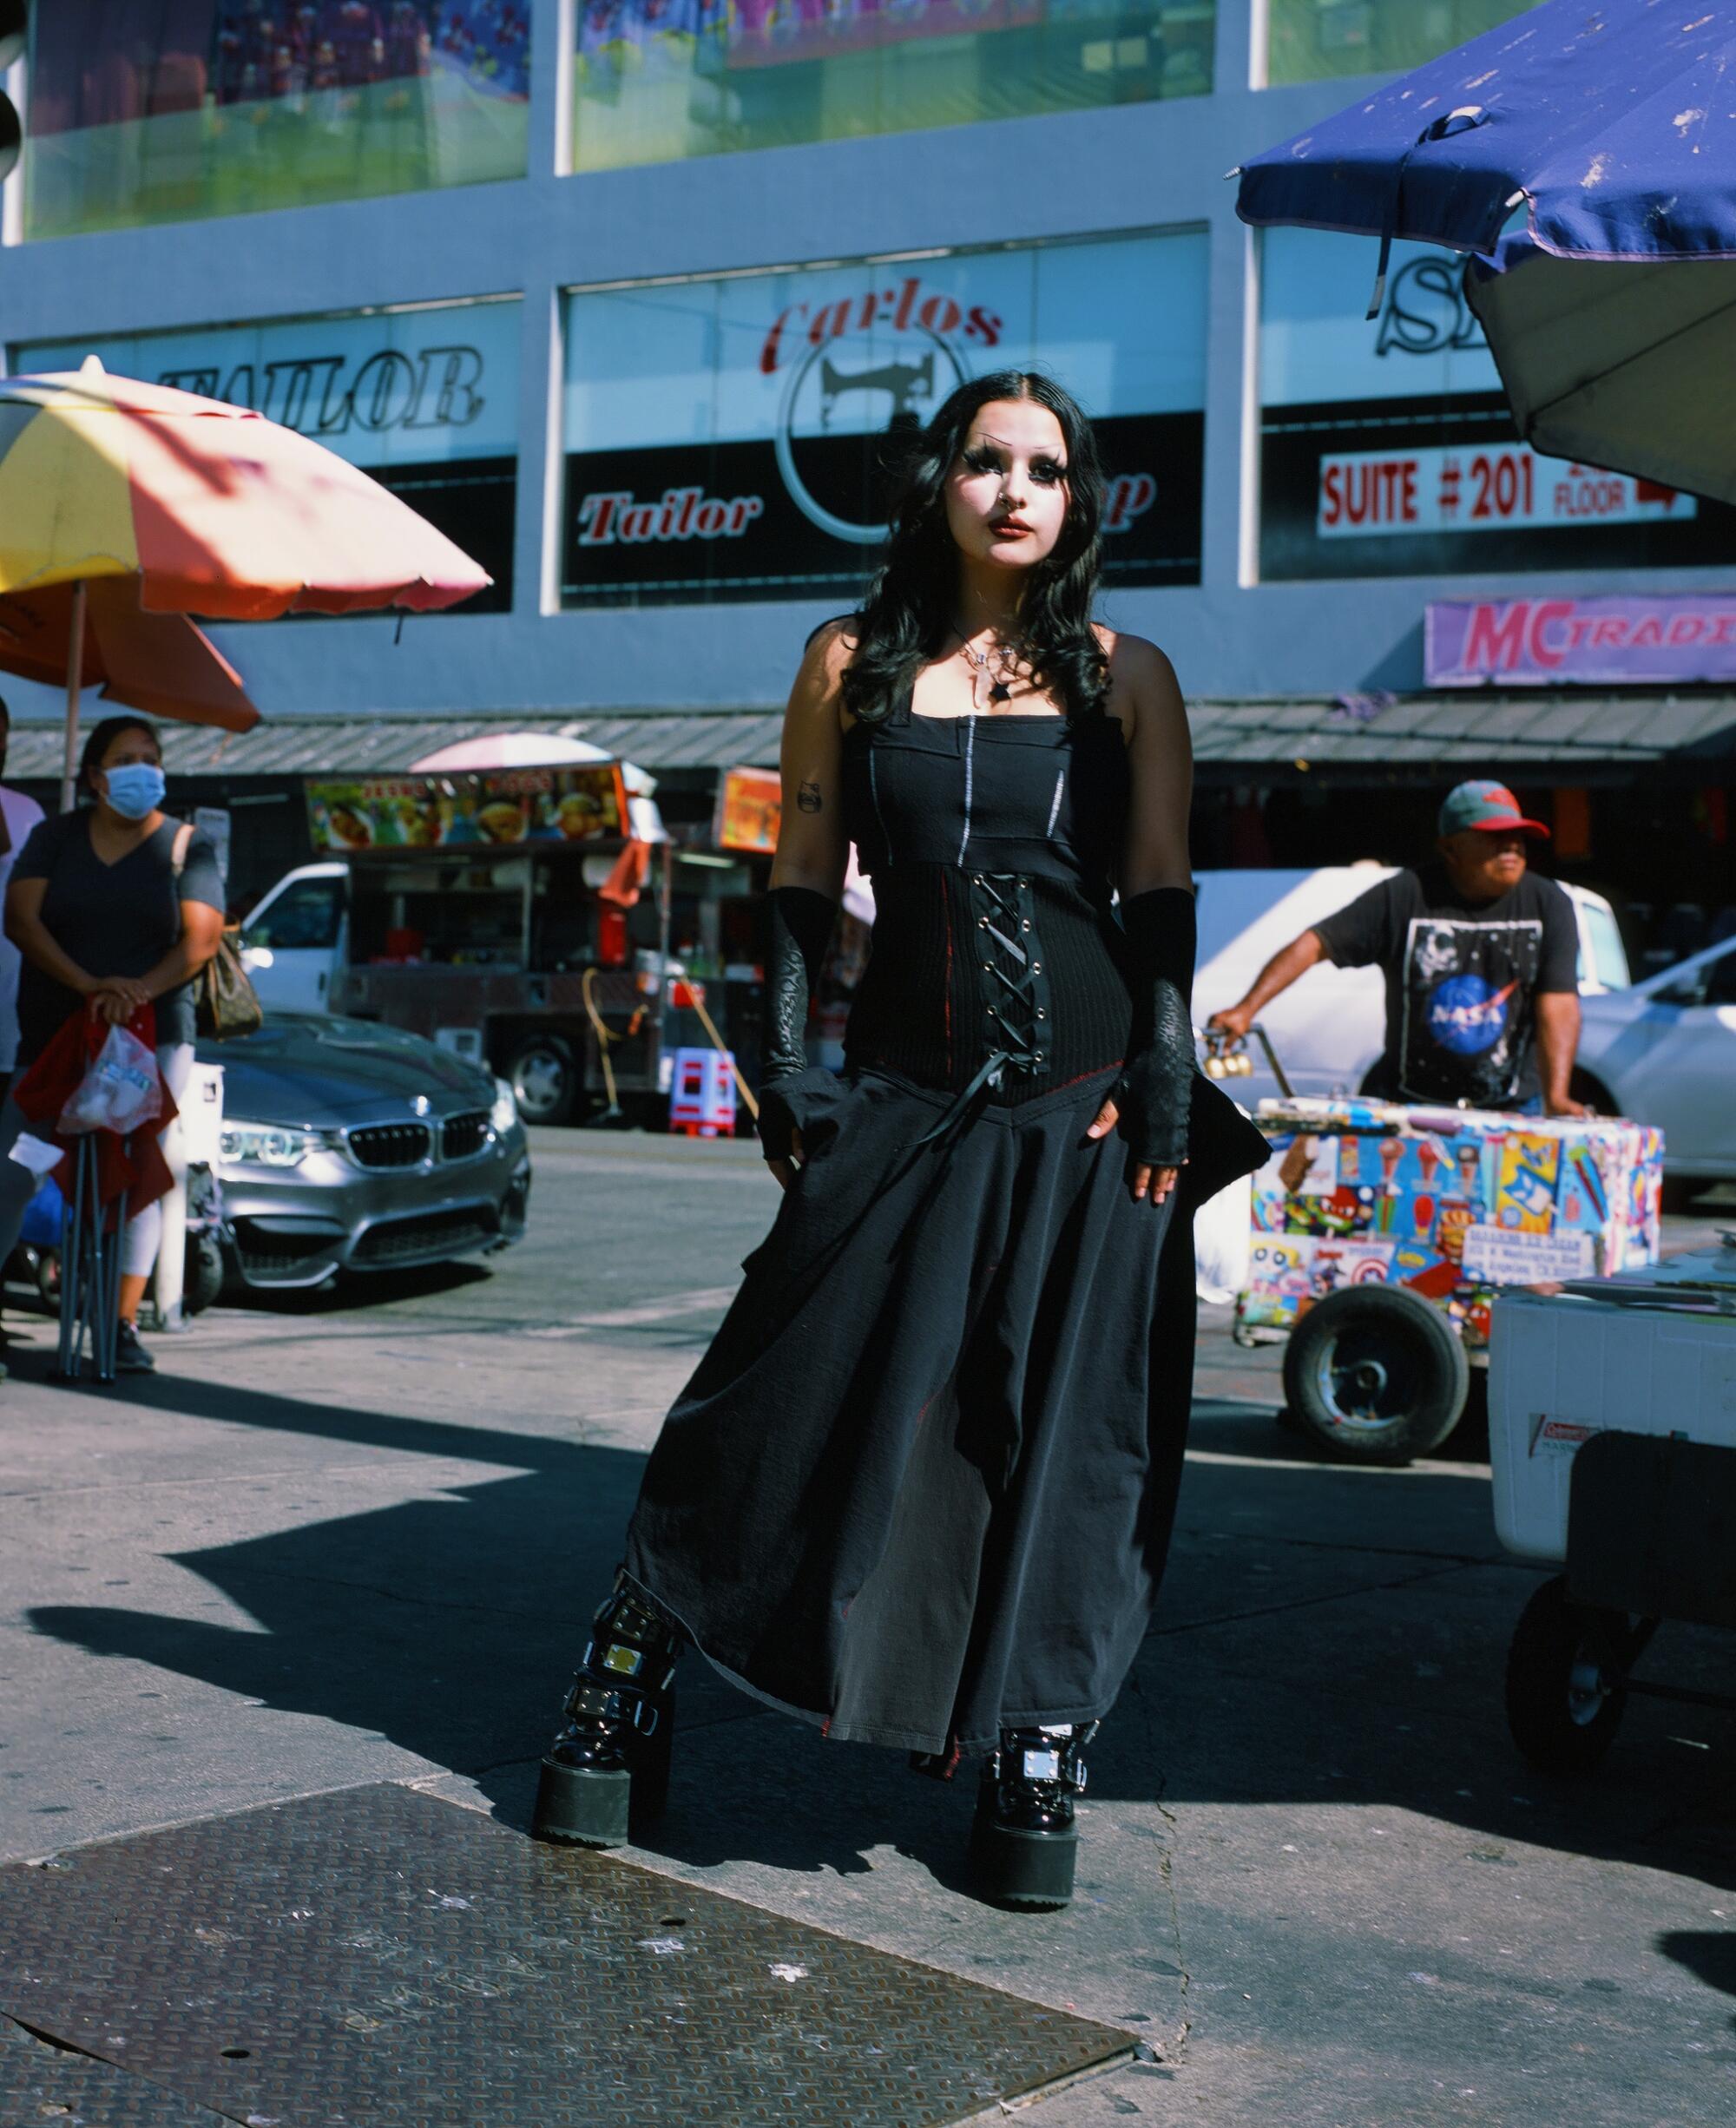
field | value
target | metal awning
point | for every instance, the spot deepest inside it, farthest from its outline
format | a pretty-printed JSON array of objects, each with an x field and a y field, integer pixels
[
  {"x": 1464, "y": 728},
  {"x": 322, "y": 746},
  {"x": 1467, "y": 727}
]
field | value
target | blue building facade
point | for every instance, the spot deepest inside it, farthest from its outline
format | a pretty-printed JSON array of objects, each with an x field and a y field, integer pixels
[{"x": 629, "y": 294}]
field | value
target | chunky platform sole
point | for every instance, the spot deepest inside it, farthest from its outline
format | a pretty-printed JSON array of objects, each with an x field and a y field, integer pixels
[
  {"x": 1016, "y": 1868},
  {"x": 594, "y": 1806}
]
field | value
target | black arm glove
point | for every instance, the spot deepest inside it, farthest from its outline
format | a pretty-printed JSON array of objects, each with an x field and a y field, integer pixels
[
  {"x": 801, "y": 930},
  {"x": 1156, "y": 1086}
]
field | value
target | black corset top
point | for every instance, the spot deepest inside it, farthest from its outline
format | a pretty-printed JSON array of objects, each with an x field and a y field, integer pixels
[{"x": 992, "y": 841}]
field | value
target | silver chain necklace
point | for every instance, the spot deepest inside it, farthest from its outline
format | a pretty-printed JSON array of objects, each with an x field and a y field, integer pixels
[{"x": 999, "y": 672}]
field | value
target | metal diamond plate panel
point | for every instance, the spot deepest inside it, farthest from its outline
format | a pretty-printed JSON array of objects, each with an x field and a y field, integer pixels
[
  {"x": 41, "y": 2087},
  {"x": 379, "y": 1959}
]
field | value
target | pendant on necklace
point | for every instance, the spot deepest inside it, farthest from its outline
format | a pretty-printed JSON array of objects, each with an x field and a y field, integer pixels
[{"x": 1000, "y": 692}]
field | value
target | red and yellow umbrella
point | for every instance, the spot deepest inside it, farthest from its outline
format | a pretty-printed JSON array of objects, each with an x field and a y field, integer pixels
[{"x": 125, "y": 507}]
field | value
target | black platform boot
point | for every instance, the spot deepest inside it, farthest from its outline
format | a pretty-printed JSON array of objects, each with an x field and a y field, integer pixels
[
  {"x": 608, "y": 1771},
  {"x": 1024, "y": 1841}
]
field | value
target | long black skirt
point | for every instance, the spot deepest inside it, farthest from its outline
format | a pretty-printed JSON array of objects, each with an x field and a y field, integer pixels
[{"x": 921, "y": 1486}]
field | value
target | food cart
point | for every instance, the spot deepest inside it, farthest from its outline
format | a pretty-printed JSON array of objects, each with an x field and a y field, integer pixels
[
  {"x": 1383, "y": 1232},
  {"x": 516, "y": 917},
  {"x": 1611, "y": 1420}
]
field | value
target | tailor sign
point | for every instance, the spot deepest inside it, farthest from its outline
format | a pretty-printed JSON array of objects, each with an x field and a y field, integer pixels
[
  {"x": 730, "y": 438},
  {"x": 1544, "y": 643},
  {"x": 1387, "y": 447},
  {"x": 425, "y": 400}
]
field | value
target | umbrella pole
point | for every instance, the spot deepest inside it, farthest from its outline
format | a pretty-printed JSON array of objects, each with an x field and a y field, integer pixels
[{"x": 74, "y": 676}]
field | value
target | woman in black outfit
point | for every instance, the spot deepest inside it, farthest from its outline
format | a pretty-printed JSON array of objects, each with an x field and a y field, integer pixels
[{"x": 919, "y": 1490}]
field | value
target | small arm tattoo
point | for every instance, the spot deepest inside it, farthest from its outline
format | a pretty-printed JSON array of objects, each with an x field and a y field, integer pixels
[{"x": 808, "y": 797}]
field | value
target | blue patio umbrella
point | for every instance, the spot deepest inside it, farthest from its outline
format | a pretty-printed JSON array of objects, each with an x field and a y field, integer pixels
[{"x": 1585, "y": 156}]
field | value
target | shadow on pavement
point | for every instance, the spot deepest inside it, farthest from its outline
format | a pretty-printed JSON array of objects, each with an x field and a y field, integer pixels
[
  {"x": 1709, "y": 1954},
  {"x": 1325, "y": 1636}
]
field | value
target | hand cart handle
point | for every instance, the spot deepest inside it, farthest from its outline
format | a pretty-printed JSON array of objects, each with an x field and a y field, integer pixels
[{"x": 1229, "y": 1055}]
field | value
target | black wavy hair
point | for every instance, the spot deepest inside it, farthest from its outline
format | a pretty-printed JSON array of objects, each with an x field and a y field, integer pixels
[
  {"x": 102, "y": 737},
  {"x": 909, "y": 612}
]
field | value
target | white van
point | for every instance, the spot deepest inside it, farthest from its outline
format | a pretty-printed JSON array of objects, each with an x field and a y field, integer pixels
[
  {"x": 1329, "y": 1029},
  {"x": 296, "y": 942}
]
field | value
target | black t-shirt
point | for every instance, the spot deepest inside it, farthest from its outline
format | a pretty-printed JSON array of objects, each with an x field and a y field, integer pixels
[
  {"x": 1462, "y": 982},
  {"x": 117, "y": 919}
]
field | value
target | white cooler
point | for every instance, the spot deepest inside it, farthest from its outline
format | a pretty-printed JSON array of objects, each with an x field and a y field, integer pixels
[{"x": 1662, "y": 1359}]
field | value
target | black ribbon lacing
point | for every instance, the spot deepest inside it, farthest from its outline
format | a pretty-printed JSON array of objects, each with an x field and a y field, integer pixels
[{"x": 1015, "y": 1003}]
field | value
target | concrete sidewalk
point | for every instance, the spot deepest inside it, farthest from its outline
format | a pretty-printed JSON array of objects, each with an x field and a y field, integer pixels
[{"x": 330, "y": 1543}]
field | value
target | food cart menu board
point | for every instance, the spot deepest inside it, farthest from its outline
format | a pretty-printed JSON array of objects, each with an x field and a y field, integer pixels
[
  {"x": 1452, "y": 1204},
  {"x": 750, "y": 805},
  {"x": 581, "y": 805}
]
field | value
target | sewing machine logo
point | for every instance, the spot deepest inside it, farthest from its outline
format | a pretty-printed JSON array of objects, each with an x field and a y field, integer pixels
[{"x": 830, "y": 393}]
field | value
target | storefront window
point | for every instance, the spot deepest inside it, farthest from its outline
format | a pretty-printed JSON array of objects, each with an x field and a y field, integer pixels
[
  {"x": 1315, "y": 40},
  {"x": 169, "y": 110},
  {"x": 425, "y": 400},
  {"x": 1387, "y": 448},
  {"x": 730, "y": 439},
  {"x": 656, "y": 80}
]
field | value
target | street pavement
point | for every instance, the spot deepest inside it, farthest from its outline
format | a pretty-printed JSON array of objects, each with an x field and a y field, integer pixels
[{"x": 358, "y": 1537}]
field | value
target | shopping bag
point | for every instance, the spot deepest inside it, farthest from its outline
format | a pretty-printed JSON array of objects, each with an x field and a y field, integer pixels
[{"x": 119, "y": 1091}]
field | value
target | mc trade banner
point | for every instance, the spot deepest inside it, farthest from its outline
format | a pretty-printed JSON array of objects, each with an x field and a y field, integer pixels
[
  {"x": 1543, "y": 642},
  {"x": 1387, "y": 448},
  {"x": 425, "y": 400},
  {"x": 729, "y": 438}
]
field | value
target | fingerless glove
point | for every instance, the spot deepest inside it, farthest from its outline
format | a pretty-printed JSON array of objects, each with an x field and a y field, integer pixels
[
  {"x": 1155, "y": 1091},
  {"x": 800, "y": 923}
]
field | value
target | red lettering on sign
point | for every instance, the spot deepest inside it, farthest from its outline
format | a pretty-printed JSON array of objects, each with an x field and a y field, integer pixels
[
  {"x": 1610, "y": 633},
  {"x": 1649, "y": 635},
  {"x": 1542, "y": 614},
  {"x": 771, "y": 353},
  {"x": 1496, "y": 636},
  {"x": 1687, "y": 628},
  {"x": 984, "y": 325},
  {"x": 940, "y": 314},
  {"x": 596, "y": 519},
  {"x": 683, "y": 514},
  {"x": 1130, "y": 495}
]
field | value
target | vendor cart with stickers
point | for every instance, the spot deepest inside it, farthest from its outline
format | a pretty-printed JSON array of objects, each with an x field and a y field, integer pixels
[{"x": 1382, "y": 1233}]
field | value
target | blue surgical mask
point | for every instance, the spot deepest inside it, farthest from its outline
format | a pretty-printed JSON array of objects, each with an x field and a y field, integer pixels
[{"x": 135, "y": 790}]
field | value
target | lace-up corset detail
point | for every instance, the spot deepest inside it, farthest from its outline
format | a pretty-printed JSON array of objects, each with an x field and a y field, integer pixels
[{"x": 1013, "y": 986}]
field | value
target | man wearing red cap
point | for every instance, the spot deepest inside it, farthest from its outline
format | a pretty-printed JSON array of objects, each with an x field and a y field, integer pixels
[{"x": 1482, "y": 965}]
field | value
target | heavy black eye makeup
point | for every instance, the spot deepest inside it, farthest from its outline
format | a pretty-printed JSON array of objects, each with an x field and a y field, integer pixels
[{"x": 986, "y": 458}]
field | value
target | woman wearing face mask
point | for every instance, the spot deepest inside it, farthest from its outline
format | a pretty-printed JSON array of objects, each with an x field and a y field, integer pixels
[
  {"x": 919, "y": 1490},
  {"x": 105, "y": 924}
]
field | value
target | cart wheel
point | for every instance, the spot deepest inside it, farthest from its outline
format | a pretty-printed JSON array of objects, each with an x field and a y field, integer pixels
[
  {"x": 1376, "y": 1375},
  {"x": 1561, "y": 1707},
  {"x": 544, "y": 1079}
]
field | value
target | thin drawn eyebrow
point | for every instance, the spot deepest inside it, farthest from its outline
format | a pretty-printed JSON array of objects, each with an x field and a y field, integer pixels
[{"x": 988, "y": 438}]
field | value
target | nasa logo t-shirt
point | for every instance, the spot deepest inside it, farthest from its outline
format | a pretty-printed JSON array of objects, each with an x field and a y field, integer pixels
[{"x": 1462, "y": 982}]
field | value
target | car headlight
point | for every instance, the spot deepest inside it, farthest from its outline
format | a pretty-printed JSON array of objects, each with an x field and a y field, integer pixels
[
  {"x": 504, "y": 1114},
  {"x": 268, "y": 1145}
]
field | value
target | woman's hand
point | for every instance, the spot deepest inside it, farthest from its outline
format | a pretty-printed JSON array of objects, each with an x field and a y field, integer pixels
[
  {"x": 784, "y": 1172},
  {"x": 115, "y": 999},
  {"x": 1150, "y": 1185}
]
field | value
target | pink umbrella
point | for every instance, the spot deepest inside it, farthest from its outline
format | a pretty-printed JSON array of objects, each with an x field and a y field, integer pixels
[{"x": 210, "y": 509}]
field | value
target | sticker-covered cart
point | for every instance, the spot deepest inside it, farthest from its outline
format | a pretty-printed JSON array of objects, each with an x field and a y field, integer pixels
[{"x": 1382, "y": 1233}]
